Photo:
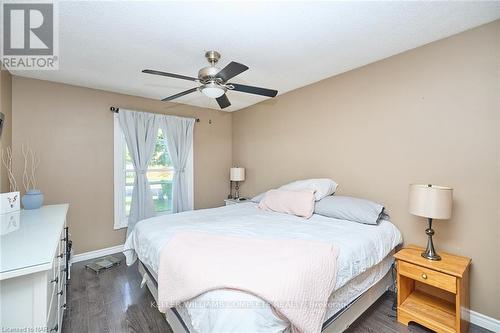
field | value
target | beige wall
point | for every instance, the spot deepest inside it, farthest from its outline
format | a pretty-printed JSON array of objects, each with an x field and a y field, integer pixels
[
  {"x": 72, "y": 130},
  {"x": 6, "y": 109},
  {"x": 429, "y": 115}
]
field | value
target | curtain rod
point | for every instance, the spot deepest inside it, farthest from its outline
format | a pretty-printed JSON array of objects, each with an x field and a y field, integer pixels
[{"x": 116, "y": 109}]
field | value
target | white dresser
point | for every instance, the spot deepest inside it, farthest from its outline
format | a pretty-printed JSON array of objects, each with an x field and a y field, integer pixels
[{"x": 33, "y": 270}]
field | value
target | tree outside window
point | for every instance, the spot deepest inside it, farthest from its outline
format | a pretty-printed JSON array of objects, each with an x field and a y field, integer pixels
[{"x": 160, "y": 174}]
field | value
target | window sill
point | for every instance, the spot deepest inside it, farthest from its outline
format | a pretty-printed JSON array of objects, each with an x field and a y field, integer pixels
[{"x": 124, "y": 225}]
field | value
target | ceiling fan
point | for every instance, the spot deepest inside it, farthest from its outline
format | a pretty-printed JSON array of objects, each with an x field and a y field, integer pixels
[{"x": 214, "y": 83}]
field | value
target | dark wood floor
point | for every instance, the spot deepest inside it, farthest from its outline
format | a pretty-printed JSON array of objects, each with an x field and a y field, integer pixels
[{"x": 114, "y": 302}]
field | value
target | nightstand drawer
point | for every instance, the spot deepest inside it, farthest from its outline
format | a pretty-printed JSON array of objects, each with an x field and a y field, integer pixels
[{"x": 427, "y": 276}]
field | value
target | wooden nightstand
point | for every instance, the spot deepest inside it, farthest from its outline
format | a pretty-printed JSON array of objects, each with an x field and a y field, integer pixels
[{"x": 433, "y": 293}]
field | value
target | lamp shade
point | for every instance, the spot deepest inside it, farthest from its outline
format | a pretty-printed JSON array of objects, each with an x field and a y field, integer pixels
[
  {"x": 430, "y": 201},
  {"x": 237, "y": 174}
]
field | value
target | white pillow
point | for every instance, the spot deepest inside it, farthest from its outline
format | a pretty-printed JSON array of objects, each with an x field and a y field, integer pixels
[{"x": 323, "y": 186}]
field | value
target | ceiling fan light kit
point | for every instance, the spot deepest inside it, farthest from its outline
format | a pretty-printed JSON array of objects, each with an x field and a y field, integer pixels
[
  {"x": 214, "y": 81},
  {"x": 213, "y": 90}
]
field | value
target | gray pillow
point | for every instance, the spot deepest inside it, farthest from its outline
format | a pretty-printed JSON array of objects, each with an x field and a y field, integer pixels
[{"x": 349, "y": 208}]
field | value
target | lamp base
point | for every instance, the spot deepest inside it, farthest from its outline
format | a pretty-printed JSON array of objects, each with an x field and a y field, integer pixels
[
  {"x": 230, "y": 195},
  {"x": 430, "y": 253},
  {"x": 236, "y": 191},
  {"x": 431, "y": 257}
]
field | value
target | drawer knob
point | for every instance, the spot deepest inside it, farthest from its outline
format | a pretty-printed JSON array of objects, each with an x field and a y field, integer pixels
[
  {"x": 55, "y": 328},
  {"x": 60, "y": 293},
  {"x": 61, "y": 255},
  {"x": 56, "y": 280},
  {"x": 424, "y": 276}
]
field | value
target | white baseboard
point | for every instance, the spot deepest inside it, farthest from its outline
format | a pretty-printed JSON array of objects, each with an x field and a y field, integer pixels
[
  {"x": 484, "y": 321},
  {"x": 96, "y": 253}
]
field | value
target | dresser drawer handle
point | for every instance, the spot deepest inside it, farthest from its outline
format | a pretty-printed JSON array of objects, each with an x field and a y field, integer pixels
[
  {"x": 60, "y": 293},
  {"x": 60, "y": 256},
  {"x": 424, "y": 276},
  {"x": 55, "y": 328},
  {"x": 56, "y": 280}
]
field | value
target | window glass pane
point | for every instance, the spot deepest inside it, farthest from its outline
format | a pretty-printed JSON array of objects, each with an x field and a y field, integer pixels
[
  {"x": 160, "y": 156},
  {"x": 128, "y": 198},
  {"x": 129, "y": 186},
  {"x": 160, "y": 175},
  {"x": 128, "y": 159},
  {"x": 162, "y": 196},
  {"x": 129, "y": 181},
  {"x": 129, "y": 178}
]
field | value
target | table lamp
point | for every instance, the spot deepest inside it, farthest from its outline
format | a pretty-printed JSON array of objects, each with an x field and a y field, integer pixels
[
  {"x": 237, "y": 175},
  {"x": 433, "y": 202}
]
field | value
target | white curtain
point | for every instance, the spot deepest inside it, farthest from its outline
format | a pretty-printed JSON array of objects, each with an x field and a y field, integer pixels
[
  {"x": 179, "y": 136},
  {"x": 140, "y": 130}
]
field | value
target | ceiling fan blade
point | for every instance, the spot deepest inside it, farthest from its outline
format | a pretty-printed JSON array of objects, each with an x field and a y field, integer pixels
[
  {"x": 169, "y": 98},
  {"x": 231, "y": 70},
  {"x": 176, "y": 76},
  {"x": 253, "y": 90},
  {"x": 223, "y": 101}
]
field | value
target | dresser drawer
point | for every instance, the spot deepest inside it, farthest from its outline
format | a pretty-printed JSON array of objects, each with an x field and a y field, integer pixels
[
  {"x": 62, "y": 242},
  {"x": 59, "y": 258},
  {"x": 52, "y": 319},
  {"x": 427, "y": 276},
  {"x": 52, "y": 287},
  {"x": 61, "y": 307},
  {"x": 55, "y": 265}
]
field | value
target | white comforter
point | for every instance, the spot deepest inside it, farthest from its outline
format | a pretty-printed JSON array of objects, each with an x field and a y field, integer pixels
[{"x": 360, "y": 247}]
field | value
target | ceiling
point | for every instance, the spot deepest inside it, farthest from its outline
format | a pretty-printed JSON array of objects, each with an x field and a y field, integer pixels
[{"x": 287, "y": 45}]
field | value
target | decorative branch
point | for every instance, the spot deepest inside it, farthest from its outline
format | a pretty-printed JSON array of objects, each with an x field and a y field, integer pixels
[
  {"x": 7, "y": 162},
  {"x": 35, "y": 162},
  {"x": 31, "y": 163},
  {"x": 26, "y": 179}
]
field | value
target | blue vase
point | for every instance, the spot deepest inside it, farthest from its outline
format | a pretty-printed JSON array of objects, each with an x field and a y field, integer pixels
[{"x": 33, "y": 199}]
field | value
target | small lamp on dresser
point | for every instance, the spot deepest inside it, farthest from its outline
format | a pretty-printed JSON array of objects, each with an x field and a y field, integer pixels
[
  {"x": 433, "y": 202},
  {"x": 236, "y": 175}
]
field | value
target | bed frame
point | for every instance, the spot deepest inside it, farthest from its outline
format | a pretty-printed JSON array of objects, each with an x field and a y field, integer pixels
[{"x": 339, "y": 322}]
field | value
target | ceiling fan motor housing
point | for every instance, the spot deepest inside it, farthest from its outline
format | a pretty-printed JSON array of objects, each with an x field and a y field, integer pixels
[{"x": 208, "y": 73}]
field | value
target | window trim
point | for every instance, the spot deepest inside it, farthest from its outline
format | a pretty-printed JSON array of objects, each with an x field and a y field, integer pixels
[
  {"x": 119, "y": 144},
  {"x": 121, "y": 220}
]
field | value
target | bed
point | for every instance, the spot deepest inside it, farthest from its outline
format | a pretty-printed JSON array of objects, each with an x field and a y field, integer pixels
[{"x": 364, "y": 265}]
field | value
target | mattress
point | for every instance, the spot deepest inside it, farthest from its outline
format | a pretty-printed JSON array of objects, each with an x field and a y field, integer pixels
[
  {"x": 337, "y": 303},
  {"x": 360, "y": 246}
]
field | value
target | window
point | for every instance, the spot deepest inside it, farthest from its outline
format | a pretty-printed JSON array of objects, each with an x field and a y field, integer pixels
[{"x": 160, "y": 175}]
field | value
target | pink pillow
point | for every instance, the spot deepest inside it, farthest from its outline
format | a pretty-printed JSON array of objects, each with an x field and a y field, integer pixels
[{"x": 300, "y": 203}]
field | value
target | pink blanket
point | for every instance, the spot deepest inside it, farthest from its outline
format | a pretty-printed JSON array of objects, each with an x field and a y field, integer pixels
[{"x": 295, "y": 276}]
